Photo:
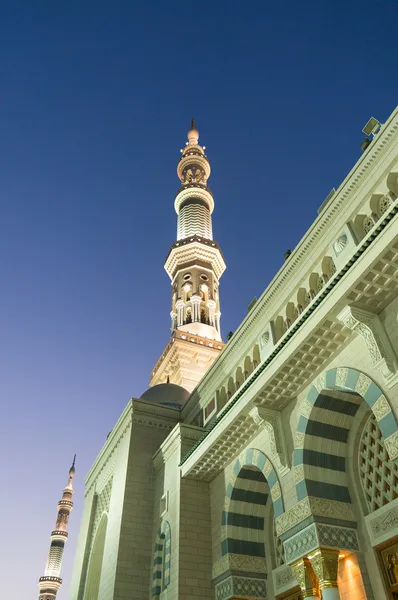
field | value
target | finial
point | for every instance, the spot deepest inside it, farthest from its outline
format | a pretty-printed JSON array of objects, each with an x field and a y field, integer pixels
[
  {"x": 168, "y": 379},
  {"x": 193, "y": 134},
  {"x": 72, "y": 469}
]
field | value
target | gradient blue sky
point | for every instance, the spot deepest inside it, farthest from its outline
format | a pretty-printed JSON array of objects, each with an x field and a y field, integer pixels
[{"x": 95, "y": 101}]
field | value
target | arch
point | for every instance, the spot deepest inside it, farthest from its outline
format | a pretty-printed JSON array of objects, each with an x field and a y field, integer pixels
[
  {"x": 328, "y": 267},
  {"x": 91, "y": 589},
  {"x": 161, "y": 559},
  {"x": 238, "y": 377},
  {"x": 256, "y": 356},
  {"x": 248, "y": 367},
  {"x": 231, "y": 388},
  {"x": 327, "y": 414},
  {"x": 280, "y": 327},
  {"x": 251, "y": 467}
]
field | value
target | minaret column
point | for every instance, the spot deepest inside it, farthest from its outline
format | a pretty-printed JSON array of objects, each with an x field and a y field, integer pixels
[
  {"x": 211, "y": 306},
  {"x": 195, "y": 301},
  {"x": 180, "y": 312},
  {"x": 51, "y": 582}
]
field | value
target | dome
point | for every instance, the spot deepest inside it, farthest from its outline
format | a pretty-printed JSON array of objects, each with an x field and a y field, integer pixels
[{"x": 168, "y": 394}]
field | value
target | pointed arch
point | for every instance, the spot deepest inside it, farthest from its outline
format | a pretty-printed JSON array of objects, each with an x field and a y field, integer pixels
[
  {"x": 91, "y": 588},
  {"x": 161, "y": 559},
  {"x": 327, "y": 414}
]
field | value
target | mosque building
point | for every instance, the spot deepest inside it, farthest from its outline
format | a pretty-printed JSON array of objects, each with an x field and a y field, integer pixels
[{"x": 265, "y": 467}]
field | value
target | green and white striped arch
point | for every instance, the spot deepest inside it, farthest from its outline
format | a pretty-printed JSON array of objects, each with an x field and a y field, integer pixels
[
  {"x": 254, "y": 479},
  {"x": 327, "y": 415},
  {"x": 161, "y": 560}
]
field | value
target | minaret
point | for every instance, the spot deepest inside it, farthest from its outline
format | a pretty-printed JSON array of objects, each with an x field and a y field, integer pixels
[
  {"x": 194, "y": 264},
  {"x": 50, "y": 583}
]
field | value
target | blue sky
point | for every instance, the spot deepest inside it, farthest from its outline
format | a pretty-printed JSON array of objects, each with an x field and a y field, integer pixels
[{"x": 95, "y": 102}]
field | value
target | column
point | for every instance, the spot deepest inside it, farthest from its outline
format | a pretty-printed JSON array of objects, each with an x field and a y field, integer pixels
[
  {"x": 217, "y": 320},
  {"x": 195, "y": 301},
  {"x": 306, "y": 578},
  {"x": 325, "y": 565},
  {"x": 211, "y": 305},
  {"x": 180, "y": 312}
]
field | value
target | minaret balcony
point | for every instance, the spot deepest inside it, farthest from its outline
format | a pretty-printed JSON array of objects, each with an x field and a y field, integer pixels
[
  {"x": 65, "y": 504},
  {"x": 49, "y": 582},
  {"x": 59, "y": 534}
]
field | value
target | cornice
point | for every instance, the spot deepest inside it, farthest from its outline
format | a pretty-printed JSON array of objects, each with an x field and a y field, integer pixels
[
  {"x": 342, "y": 199},
  {"x": 107, "y": 450},
  {"x": 195, "y": 249},
  {"x": 180, "y": 434}
]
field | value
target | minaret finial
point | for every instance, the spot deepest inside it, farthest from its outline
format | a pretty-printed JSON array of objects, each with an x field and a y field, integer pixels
[{"x": 193, "y": 124}]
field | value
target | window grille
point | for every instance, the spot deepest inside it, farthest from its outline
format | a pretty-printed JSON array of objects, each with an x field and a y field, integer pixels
[{"x": 379, "y": 476}]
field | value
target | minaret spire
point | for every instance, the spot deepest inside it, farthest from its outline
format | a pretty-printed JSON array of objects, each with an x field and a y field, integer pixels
[
  {"x": 195, "y": 264},
  {"x": 50, "y": 583}
]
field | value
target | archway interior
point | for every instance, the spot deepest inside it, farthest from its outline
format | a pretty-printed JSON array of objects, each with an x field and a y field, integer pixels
[{"x": 248, "y": 523}]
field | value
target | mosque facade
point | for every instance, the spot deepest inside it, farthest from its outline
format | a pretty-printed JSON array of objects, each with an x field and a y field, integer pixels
[{"x": 265, "y": 467}]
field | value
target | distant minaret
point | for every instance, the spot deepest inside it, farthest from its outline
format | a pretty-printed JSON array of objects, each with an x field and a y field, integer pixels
[
  {"x": 194, "y": 264},
  {"x": 50, "y": 583}
]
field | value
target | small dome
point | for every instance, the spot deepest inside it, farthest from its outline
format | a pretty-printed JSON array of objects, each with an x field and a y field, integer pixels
[{"x": 168, "y": 394}]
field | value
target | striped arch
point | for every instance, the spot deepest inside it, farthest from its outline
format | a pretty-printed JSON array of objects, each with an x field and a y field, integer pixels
[
  {"x": 254, "y": 479},
  {"x": 327, "y": 415},
  {"x": 161, "y": 559}
]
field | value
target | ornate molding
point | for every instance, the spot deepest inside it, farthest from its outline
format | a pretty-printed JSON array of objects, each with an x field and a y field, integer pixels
[
  {"x": 284, "y": 579},
  {"x": 371, "y": 330},
  {"x": 306, "y": 577},
  {"x": 383, "y": 523},
  {"x": 271, "y": 421},
  {"x": 317, "y": 535},
  {"x": 326, "y": 565}
]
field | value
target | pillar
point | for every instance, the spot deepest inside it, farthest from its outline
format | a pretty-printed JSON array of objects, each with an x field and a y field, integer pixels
[
  {"x": 325, "y": 563},
  {"x": 211, "y": 306},
  {"x": 195, "y": 300},
  {"x": 180, "y": 312},
  {"x": 306, "y": 578}
]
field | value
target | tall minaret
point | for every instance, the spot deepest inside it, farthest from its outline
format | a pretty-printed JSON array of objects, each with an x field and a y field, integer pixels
[
  {"x": 194, "y": 264},
  {"x": 50, "y": 583}
]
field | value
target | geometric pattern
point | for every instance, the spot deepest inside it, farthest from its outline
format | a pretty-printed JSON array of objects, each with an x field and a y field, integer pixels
[
  {"x": 241, "y": 587},
  {"x": 319, "y": 458},
  {"x": 379, "y": 476},
  {"x": 161, "y": 560},
  {"x": 320, "y": 534}
]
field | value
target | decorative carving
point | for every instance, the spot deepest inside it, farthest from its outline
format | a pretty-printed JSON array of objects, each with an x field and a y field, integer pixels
[
  {"x": 284, "y": 579},
  {"x": 341, "y": 376},
  {"x": 392, "y": 445},
  {"x": 306, "y": 577},
  {"x": 340, "y": 244},
  {"x": 325, "y": 564},
  {"x": 301, "y": 544},
  {"x": 313, "y": 506},
  {"x": 264, "y": 339},
  {"x": 370, "y": 328},
  {"x": 272, "y": 422},
  {"x": 242, "y": 587},
  {"x": 239, "y": 562}
]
